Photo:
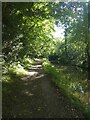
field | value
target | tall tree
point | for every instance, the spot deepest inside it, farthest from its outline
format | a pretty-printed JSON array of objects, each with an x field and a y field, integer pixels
[{"x": 24, "y": 26}]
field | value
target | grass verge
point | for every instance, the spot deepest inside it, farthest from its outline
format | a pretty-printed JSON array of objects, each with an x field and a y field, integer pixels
[{"x": 75, "y": 90}]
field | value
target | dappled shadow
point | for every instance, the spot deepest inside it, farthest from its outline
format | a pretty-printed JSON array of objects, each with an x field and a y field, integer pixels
[
  {"x": 35, "y": 96},
  {"x": 22, "y": 97},
  {"x": 34, "y": 73}
]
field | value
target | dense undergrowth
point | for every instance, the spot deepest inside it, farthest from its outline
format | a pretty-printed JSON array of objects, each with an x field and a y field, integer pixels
[
  {"x": 17, "y": 68},
  {"x": 73, "y": 86}
]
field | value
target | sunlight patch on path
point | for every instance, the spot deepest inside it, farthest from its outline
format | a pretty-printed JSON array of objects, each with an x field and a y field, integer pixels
[
  {"x": 32, "y": 73},
  {"x": 29, "y": 75},
  {"x": 40, "y": 76},
  {"x": 36, "y": 66}
]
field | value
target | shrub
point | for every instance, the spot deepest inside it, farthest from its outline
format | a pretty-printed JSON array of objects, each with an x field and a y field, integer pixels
[
  {"x": 17, "y": 69},
  {"x": 27, "y": 62}
]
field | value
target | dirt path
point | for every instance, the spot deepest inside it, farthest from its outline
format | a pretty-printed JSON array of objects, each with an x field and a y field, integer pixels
[{"x": 35, "y": 96}]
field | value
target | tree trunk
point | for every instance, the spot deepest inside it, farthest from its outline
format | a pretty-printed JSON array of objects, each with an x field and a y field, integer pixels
[{"x": 66, "y": 53}]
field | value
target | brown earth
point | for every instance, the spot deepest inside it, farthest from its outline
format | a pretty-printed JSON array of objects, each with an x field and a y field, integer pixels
[{"x": 35, "y": 96}]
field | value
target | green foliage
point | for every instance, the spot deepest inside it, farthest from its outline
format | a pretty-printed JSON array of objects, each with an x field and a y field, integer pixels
[
  {"x": 18, "y": 69},
  {"x": 27, "y": 33},
  {"x": 26, "y": 30},
  {"x": 50, "y": 69},
  {"x": 6, "y": 78},
  {"x": 74, "y": 48},
  {"x": 76, "y": 90},
  {"x": 27, "y": 62}
]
